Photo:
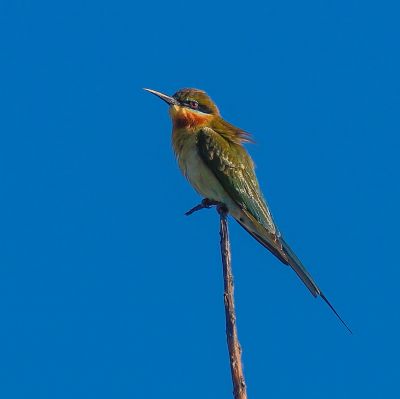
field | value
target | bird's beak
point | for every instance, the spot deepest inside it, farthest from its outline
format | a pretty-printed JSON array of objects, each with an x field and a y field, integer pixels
[{"x": 168, "y": 99}]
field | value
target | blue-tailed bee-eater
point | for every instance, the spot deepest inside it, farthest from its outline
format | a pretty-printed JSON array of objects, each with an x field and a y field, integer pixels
[{"x": 211, "y": 155}]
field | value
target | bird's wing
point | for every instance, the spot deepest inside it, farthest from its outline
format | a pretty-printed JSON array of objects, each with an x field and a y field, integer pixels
[{"x": 234, "y": 169}]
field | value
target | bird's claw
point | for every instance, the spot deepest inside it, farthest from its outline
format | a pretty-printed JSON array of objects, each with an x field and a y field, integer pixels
[
  {"x": 206, "y": 203},
  {"x": 222, "y": 210}
]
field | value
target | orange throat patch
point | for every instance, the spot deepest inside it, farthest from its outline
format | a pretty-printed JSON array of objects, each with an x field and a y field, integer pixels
[{"x": 185, "y": 118}]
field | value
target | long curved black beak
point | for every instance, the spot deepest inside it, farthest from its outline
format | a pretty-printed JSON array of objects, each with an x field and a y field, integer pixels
[{"x": 168, "y": 99}]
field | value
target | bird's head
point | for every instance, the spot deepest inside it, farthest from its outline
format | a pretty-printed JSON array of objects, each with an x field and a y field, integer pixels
[{"x": 189, "y": 108}]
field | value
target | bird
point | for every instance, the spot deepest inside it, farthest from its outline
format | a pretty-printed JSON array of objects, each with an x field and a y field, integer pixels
[{"x": 210, "y": 153}]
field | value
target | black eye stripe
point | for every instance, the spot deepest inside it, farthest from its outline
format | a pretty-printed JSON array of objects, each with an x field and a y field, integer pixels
[
  {"x": 205, "y": 109},
  {"x": 190, "y": 103},
  {"x": 193, "y": 104},
  {"x": 198, "y": 107},
  {"x": 185, "y": 101},
  {"x": 205, "y": 104}
]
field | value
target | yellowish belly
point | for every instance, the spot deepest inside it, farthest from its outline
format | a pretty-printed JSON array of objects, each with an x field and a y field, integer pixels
[
  {"x": 205, "y": 183},
  {"x": 208, "y": 186},
  {"x": 198, "y": 174}
]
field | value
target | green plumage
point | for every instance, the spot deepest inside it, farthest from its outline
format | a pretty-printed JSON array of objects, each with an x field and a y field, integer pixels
[
  {"x": 211, "y": 155},
  {"x": 233, "y": 167}
]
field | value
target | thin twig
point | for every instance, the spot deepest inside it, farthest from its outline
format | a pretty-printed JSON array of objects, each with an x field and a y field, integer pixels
[{"x": 235, "y": 351}]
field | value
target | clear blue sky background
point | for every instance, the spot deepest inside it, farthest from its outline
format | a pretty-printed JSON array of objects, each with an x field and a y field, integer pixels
[{"x": 106, "y": 289}]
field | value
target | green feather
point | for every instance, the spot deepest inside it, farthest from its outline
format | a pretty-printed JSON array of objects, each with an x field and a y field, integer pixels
[{"x": 234, "y": 169}]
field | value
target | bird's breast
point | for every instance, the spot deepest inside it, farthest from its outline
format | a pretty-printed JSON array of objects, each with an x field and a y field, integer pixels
[{"x": 194, "y": 168}]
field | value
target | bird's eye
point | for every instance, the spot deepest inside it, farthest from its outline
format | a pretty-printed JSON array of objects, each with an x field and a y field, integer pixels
[{"x": 193, "y": 104}]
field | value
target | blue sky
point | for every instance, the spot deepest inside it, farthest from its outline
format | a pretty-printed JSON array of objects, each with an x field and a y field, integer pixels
[{"x": 106, "y": 289}]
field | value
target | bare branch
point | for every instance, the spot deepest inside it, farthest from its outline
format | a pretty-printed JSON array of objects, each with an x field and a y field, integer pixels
[{"x": 235, "y": 351}]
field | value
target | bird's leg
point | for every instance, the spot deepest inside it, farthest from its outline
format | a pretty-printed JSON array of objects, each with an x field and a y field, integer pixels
[
  {"x": 222, "y": 210},
  {"x": 205, "y": 204}
]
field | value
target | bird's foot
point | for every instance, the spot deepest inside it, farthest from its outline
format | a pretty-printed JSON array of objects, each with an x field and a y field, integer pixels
[
  {"x": 205, "y": 204},
  {"x": 222, "y": 210}
]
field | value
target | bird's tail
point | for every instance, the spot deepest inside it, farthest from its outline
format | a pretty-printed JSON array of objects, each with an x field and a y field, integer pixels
[
  {"x": 284, "y": 253},
  {"x": 295, "y": 263}
]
